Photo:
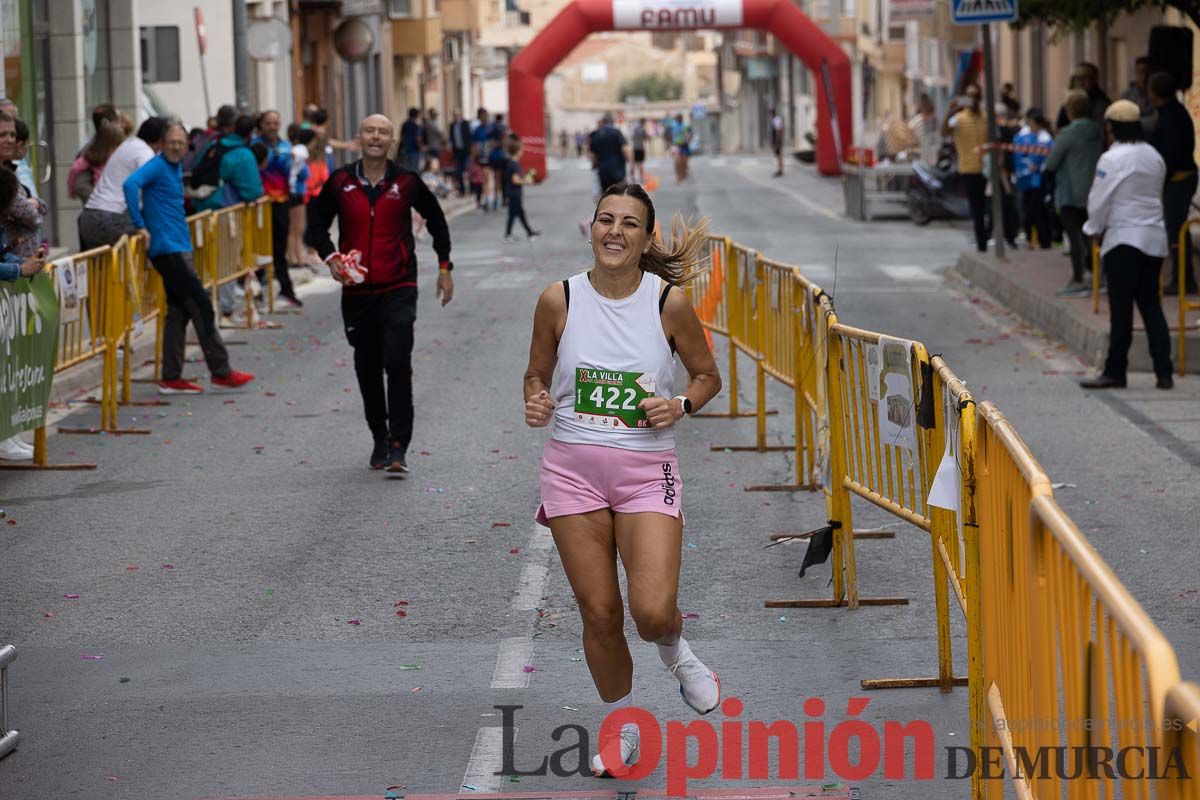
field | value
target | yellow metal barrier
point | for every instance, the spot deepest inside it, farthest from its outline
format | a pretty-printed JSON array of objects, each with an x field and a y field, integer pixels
[
  {"x": 1084, "y": 668},
  {"x": 261, "y": 252},
  {"x": 1185, "y": 305},
  {"x": 1181, "y": 723},
  {"x": 84, "y": 338},
  {"x": 711, "y": 294}
]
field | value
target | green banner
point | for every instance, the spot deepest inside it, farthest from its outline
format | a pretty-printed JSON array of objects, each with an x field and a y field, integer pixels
[{"x": 28, "y": 338}]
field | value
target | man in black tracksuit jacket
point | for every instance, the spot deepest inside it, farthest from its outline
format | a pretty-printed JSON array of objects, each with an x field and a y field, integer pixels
[{"x": 373, "y": 200}]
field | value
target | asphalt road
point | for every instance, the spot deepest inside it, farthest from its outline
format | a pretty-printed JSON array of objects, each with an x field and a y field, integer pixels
[{"x": 242, "y": 568}]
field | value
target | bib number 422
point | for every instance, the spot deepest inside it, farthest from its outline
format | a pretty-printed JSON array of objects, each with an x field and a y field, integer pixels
[{"x": 610, "y": 399}]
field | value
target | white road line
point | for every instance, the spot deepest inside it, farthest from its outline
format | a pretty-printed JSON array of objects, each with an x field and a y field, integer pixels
[
  {"x": 815, "y": 207},
  {"x": 515, "y": 654},
  {"x": 532, "y": 584},
  {"x": 486, "y": 759},
  {"x": 909, "y": 273}
]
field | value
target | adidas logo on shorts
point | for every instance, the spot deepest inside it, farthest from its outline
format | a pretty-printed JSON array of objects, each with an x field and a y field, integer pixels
[{"x": 668, "y": 484}]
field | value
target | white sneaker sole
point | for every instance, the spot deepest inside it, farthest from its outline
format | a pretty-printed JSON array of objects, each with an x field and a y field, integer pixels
[
  {"x": 167, "y": 390},
  {"x": 692, "y": 707},
  {"x": 634, "y": 755}
]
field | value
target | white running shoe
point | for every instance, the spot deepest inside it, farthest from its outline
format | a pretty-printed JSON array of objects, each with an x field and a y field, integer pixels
[
  {"x": 630, "y": 744},
  {"x": 698, "y": 685},
  {"x": 15, "y": 450}
]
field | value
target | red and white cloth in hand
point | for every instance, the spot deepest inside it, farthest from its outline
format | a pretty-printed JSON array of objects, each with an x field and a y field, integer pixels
[{"x": 347, "y": 267}]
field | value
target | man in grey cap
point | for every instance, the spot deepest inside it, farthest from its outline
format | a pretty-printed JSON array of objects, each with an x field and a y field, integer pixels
[{"x": 1125, "y": 206}]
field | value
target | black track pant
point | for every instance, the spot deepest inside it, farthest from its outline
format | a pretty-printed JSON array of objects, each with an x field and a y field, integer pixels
[
  {"x": 380, "y": 329},
  {"x": 1133, "y": 278},
  {"x": 187, "y": 301},
  {"x": 279, "y": 241}
]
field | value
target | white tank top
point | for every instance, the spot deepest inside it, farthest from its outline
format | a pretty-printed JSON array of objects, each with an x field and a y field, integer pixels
[{"x": 612, "y": 354}]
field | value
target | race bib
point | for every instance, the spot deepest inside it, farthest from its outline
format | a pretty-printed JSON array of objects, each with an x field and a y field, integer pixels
[{"x": 610, "y": 399}]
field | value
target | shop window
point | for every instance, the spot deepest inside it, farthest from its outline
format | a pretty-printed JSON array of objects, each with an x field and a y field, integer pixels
[
  {"x": 160, "y": 54},
  {"x": 400, "y": 9}
]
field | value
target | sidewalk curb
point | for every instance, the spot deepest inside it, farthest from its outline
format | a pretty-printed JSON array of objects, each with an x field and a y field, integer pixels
[{"x": 1087, "y": 341}]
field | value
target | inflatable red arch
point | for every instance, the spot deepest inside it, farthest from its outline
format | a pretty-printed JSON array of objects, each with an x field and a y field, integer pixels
[{"x": 822, "y": 55}]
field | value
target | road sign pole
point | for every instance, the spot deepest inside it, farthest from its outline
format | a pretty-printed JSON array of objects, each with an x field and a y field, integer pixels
[{"x": 994, "y": 155}]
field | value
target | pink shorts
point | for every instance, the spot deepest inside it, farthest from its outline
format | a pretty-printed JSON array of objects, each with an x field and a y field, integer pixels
[{"x": 578, "y": 478}]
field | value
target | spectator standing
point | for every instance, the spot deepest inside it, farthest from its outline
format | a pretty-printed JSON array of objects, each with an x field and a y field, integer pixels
[
  {"x": 410, "y": 141},
  {"x": 232, "y": 172},
  {"x": 22, "y": 218},
  {"x": 1086, "y": 78},
  {"x": 1028, "y": 165},
  {"x": 514, "y": 186},
  {"x": 564, "y": 143},
  {"x": 1073, "y": 159},
  {"x": 777, "y": 141},
  {"x": 637, "y": 171},
  {"x": 433, "y": 140},
  {"x": 496, "y": 159},
  {"x": 1174, "y": 138},
  {"x": 105, "y": 216},
  {"x": 1139, "y": 93},
  {"x": 460, "y": 144},
  {"x": 1125, "y": 206},
  {"x": 924, "y": 126},
  {"x": 1006, "y": 130},
  {"x": 89, "y": 165},
  {"x": 275, "y": 180},
  {"x": 1008, "y": 97},
  {"x": 154, "y": 196},
  {"x": 969, "y": 129},
  {"x": 300, "y": 138},
  {"x": 12, "y": 267},
  {"x": 580, "y": 140},
  {"x": 610, "y": 152},
  {"x": 24, "y": 171},
  {"x": 481, "y": 133}
]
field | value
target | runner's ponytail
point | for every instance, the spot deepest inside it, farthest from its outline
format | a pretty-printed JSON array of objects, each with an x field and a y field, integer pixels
[{"x": 682, "y": 259}]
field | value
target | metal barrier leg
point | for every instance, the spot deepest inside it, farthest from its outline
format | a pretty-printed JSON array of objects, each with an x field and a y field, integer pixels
[
  {"x": 8, "y": 738},
  {"x": 109, "y": 389},
  {"x": 39, "y": 462}
]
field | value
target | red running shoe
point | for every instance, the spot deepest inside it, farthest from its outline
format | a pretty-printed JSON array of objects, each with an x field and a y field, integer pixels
[
  {"x": 233, "y": 380},
  {"x": 179, "y": 386}
]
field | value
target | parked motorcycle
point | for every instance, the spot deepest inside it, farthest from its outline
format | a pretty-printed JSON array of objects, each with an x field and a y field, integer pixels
[{"x": 936, "y": 191}]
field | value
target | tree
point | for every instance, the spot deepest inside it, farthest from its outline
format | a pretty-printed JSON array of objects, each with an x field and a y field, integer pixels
[
  {"x": 652, "y": 87},
  {"x": 1079, "y": 14}
]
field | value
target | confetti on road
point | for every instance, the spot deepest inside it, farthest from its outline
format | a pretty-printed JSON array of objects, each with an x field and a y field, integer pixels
[
  {"x": 514, "y": 551},
  {"x": 410, "y": 666},
  {"x": 71, "y": 596},
  {"x": 354, "y": 622},
  {"x": 528, "y": 668},
  {"x": 124, "y": 680},
  {"x": 501, "y": 524},
  {"x": 691, "y": 615},
  {"x": 87, "y": 657}
]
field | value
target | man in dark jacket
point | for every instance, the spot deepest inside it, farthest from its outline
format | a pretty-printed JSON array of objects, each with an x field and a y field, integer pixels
[
  {"x": 373, "y": 200},
  {"x": 1086, "y": 78},
  {"x": 460, "y": 143},
  {"x": 1174, "y": 138}
]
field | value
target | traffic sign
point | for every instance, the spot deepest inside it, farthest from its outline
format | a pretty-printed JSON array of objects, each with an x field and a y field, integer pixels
[{"x": 971, "y": 12}]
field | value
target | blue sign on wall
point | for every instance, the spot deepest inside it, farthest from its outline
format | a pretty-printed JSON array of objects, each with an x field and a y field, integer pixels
[{"x": 971, "y": 12}]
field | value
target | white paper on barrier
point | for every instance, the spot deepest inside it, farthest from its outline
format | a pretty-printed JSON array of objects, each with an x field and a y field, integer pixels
[
  {"x": 873, "y": 372},
  {"x": 81, "y": 280},
  {"x": 198, "y": 234},
  {"x": 258, "y": 219},
  {"x": 896, "y": 412},
  {"x": 68, "y": 290},
  {"x": 946, "y": 491}
]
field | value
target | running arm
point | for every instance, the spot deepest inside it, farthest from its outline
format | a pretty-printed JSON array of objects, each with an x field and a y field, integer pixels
[
  {"x": 435, "y": 221},
  {"x": 549, "y": 319},
  {"x": 684, "y": 330},
  {"x": 321, "y": 212}
]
